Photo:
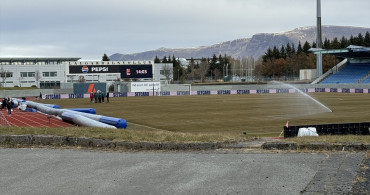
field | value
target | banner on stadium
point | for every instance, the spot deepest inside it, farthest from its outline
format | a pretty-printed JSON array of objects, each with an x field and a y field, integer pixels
[{"x": 145, "y": 86}]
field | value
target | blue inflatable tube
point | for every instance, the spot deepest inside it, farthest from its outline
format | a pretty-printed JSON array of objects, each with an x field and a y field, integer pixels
[
  {"x": 83, "y": 121},
  {"x": 30, "y": 110},
  {"x": 117, "y": 122},
  {"x": 52, "y": 106},
  {"x": 84, "y": 110}
]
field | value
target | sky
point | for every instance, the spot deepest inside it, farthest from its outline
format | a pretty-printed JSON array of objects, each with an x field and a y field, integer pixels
[{"x": 90, "y": 28}]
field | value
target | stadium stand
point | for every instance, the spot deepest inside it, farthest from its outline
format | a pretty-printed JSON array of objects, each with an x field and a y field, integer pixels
[
  {"x": 351, "y": 73},
  {"x": 355, "y": 69}
]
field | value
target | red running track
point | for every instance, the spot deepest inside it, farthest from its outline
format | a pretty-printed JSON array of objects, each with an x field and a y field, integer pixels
[{"x": 30, "y": 119}]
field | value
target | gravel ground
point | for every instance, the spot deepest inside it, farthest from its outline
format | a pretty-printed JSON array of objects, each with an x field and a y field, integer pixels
[{"x": 362, "y": 181}]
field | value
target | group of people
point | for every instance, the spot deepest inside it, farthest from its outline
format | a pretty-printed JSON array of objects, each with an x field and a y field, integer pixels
[
  {"x": 7, "y": 103},
  {"x": 99, "y": 97}
]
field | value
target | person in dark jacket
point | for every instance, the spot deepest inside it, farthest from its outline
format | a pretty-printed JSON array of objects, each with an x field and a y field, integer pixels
[
  {"x": 3, "y": 105},
  {"x": 108, "y": 97},
  {"x": 9, "y": 106}
]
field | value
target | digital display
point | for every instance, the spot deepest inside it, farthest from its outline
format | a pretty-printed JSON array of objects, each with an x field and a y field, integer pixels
[{"x": 137, "y": 71}]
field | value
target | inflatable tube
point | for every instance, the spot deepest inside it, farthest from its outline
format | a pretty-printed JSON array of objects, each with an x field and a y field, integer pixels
[
  {"x": 52, "y": 106},
  {"x": 30, "y": 110},
  {"x": 83, "y": 121},
  {"x": 84, "y": 110},
  {"x": 117, "y": 122}
]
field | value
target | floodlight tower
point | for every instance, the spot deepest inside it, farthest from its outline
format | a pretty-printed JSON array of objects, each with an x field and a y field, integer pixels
[{"x": 318, "y": 40}]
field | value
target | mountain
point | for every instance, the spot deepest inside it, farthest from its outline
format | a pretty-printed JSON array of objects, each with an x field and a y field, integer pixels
[{"x": 255, "y": 46}]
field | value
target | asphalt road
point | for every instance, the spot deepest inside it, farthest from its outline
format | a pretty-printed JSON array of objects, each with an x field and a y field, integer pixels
[{"x": 72, "y": 171}]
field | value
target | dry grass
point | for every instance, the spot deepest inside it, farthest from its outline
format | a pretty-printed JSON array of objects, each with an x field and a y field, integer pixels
[
  {"x": 121, "y": 135},
  {"x": 332, "y": 139},
  {"x": 221, "y": 117}
]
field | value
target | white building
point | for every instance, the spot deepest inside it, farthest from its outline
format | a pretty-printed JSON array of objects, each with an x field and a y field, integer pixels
[{"x": 51, "y": 72}]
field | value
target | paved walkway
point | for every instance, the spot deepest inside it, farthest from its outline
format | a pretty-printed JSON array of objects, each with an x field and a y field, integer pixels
[{"x": 58, "y": 171}]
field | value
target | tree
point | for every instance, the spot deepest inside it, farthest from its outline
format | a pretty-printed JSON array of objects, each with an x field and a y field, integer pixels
[
  {"x": 81, "y": 79},
  {"x": 306, "y": 47},
  {"x": 168, "y": 72},
  {"x": 326, "y": 44},
  {"x": 3, "y": 75},
  {"x": 157, "y": 60},
  {"x": 105, "y": 58},
  {"x": 335, "y": 44},
  {"x": 343, "y": 42},
  {"x": 283, "y": 52},
  {"x": 299, "y": 49},
  {"x": 367, "y": 39},
  {"x": 38, "y": 76},
  {"x": 203, "y": 69},
  {"x": 20, "y": 78},
  {"x": 164, "y": 60}
]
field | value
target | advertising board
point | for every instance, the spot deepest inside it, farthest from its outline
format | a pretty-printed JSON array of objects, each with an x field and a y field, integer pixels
[
  {"x": 145, "y": 86},
  {"x": 94, "y": 69},
  {"x": 137, "y": 71}
]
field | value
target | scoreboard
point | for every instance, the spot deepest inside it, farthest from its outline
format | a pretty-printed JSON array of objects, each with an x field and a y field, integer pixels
[{"x": 137, "y": 71}]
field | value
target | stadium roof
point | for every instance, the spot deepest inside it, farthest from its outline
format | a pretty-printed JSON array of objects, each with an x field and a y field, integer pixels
[
  {"x": 40, "y": 59},
  {"x": 352, "y": 51}
]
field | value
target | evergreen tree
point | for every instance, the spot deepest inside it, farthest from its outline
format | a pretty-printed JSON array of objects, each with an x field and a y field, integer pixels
[
  {"x": 367, "y": 39},
  {"x": 283, "y": 52},
  {"x": 275, "y": 53},
  {"x": 293, "y": 49},
  {"x": 343, "y": 42},
  {"x": 157, "y": 60},
  {"x": 268, "y": 55},
  {"x": 105, "y": 58},
  {"x": 306, "y": 47},
  {"x": 360, "y": 40},
  {"x": 326, "y": 44},
  {"x": 351, "y": 40},
  {"x": 288, "y": 50},
  {"x": 169, "y": 59},
  {"x": 335, "y": 44},
  {"x": 164, "y": 60},
  {"x": 314, "y": 45},
  {"x": 299, "y": 49}
]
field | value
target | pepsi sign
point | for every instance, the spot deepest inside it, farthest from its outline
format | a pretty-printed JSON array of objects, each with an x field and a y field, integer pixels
[
  {"x": 94, "y": 69},
  {"x": 85, "y": 69}
]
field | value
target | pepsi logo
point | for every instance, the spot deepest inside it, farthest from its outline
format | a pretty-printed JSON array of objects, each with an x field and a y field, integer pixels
[{"x": 85, "y": 69}]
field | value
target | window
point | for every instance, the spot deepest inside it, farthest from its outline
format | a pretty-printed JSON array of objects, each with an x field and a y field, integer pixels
[
  {"x": 23, "y": 74},
  {"x": 50, "y": 84},
  {"x": 6, "y": 74},
  {"x": 49, "y": 74},
  {"x": 164, "y": 72},
  {"x": 27, "y": 74},
  {"x": 31, "y": 74}
]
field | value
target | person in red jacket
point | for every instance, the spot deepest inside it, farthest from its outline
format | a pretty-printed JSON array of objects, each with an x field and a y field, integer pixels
[{"x": 91, "y": 97}]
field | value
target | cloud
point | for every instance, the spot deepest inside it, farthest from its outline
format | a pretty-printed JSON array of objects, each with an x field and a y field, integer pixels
[{"x": 89, "y": 28}]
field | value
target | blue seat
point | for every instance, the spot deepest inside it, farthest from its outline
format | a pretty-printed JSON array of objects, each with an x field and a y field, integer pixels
[{"x": 349, "y": 74}]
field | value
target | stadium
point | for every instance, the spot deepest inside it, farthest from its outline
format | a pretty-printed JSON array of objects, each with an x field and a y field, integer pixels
[{"x": 230, "y": 108}]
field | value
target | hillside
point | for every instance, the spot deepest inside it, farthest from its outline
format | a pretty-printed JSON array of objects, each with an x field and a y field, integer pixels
[{"x": 255, "y": 46}]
